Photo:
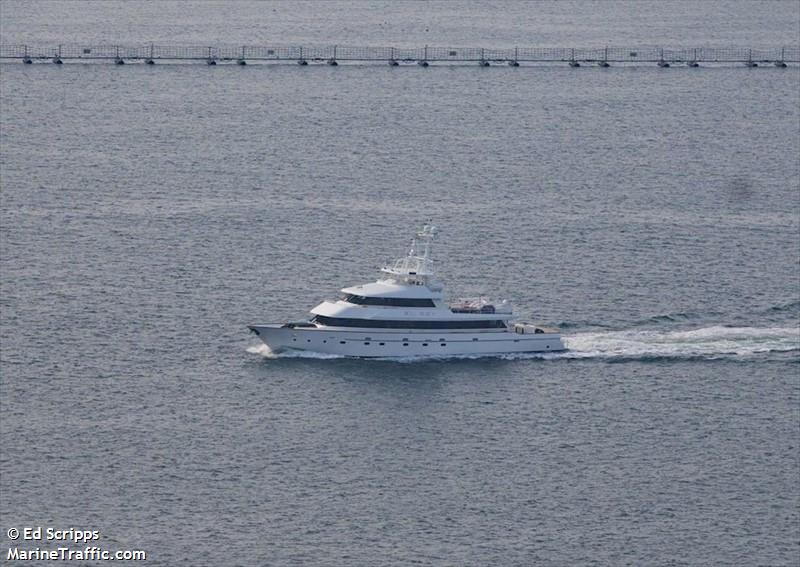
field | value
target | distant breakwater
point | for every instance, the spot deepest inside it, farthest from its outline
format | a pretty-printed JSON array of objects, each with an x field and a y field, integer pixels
[{"x": 424, "y": 56}]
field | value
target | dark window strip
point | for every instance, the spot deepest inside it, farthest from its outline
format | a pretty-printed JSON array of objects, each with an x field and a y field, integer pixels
[
  {"x": 389, "y": 301},
  {"x": 390, "y": 324}
]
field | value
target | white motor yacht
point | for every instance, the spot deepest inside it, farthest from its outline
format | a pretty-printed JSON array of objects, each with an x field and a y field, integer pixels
[{"x": 405, "y": 314}]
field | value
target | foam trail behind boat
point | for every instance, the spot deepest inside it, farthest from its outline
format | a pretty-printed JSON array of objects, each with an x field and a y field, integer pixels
[{"x": 717, "y": 341}]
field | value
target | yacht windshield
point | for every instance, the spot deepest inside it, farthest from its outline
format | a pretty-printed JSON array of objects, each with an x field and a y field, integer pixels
[{"x": 389, "y": 301}]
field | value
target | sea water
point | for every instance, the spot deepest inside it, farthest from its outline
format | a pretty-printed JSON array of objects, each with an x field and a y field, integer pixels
[{"x": 150, "y": 213}]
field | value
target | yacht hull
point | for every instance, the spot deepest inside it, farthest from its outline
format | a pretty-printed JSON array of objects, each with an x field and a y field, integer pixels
[{"x": 367, "y": 343}]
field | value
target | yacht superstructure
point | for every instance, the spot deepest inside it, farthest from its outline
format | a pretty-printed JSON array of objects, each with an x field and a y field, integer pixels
[{"x": 405, "y": 314}]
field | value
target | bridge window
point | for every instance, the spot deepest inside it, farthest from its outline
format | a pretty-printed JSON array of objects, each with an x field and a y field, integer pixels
[{"x": 388, "y": 301}]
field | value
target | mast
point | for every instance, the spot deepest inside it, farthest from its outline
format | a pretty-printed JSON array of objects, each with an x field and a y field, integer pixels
[{"x": 426, "y": 234}]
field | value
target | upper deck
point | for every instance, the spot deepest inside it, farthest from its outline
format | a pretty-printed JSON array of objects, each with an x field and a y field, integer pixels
[
  {"x": 411, "y": 284},
  {"x": 393, "y": 288},
  {"x": 416, "y": 268}
]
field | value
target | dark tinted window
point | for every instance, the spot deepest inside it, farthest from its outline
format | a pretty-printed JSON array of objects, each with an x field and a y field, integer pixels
[
  {"x": 388, "y": 301},
  {"x": 387, "y": 324}
]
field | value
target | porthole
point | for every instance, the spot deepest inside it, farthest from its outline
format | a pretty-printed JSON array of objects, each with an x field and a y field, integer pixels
[
  {"x": 342, "y": 342},
  {"x": 381, "y": 344},
  {"x": 424, "y": 344},
  {"x": 308, "y": 340},
  {"x": 405, "y": 344},
  {"x": 366, "y": 342},
  {"x": 548, "y": 346},
  {"x": 442, "y": 344}
]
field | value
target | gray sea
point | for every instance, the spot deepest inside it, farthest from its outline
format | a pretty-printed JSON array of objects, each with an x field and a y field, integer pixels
[{"x": 148, "y": 214}]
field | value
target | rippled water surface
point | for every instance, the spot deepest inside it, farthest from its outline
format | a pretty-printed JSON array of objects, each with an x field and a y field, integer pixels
[{"x": 150, "y": 213}]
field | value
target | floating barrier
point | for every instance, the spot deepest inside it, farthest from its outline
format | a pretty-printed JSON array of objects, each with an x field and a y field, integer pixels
[{"x": 396, "y": 56}]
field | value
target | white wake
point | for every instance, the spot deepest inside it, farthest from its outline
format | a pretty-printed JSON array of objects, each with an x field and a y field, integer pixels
[
  {"x": 709, "y": 342},
  {"x": 265, "y": 351}
]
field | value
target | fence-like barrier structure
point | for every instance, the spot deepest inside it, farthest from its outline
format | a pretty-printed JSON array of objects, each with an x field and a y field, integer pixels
[{"x": 150, "y": 53}]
